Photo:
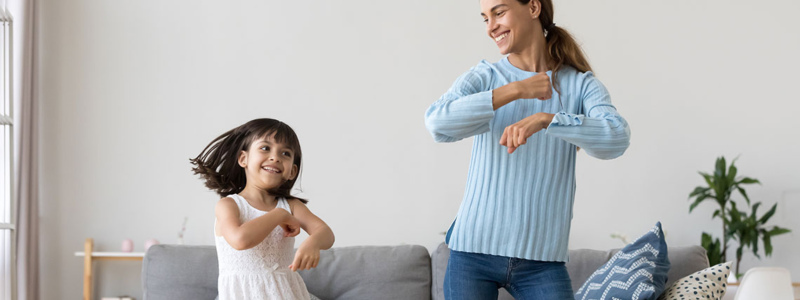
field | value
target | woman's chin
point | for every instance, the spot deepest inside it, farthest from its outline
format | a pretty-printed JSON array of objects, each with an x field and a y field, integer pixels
[{"x": 503, "y": 50}]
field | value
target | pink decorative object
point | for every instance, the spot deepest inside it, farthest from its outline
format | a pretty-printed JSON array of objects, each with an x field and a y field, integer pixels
[
  {"x": 149, "y": 243},
  {"x": 127, "y": 245}
]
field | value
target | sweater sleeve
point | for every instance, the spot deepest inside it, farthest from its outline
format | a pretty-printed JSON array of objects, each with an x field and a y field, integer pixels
[
  {"x": 464, "y": 110},
  {"x": 601, "y": 131}
]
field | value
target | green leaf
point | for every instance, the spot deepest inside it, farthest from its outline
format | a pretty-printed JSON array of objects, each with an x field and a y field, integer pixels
[
  {"x": 768, "y": 215},
  {"x": 712, "y": 248},
  {"x": 778, "y": 231},
  {"x": 709, "y": 180},
  {"x": 767, "y": 244},
  {"x": 705, "y": 239},
  {"x": 741, "y": 191},
  {"x": 732, "y": 172},
  {"x": 754, "y": 242},
  {"x": 734, "y": 212},
  {"x": 697, "y": 201},
  {"x": 755, "y": 208},
  {"x": 716, "y": 214},
  {"x": 719, "y": 170},
  {"x": 748, "y": 180},
  {"x": 698, "y": 190}
]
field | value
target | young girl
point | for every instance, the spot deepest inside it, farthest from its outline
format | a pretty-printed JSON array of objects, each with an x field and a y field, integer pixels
[
  {"x": 528, "y": 114},
  {"x": 253, "y": 167}
]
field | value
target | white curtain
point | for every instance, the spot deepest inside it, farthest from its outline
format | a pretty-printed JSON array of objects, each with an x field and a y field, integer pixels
[{"x": 26, "y": 134}]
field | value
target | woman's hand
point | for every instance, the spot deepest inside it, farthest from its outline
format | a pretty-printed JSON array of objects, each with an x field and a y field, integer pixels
[
  {"x": 535, "y": 87},
  {"x": 306, "y": 257},
  {"x": 517, "y": 134}
]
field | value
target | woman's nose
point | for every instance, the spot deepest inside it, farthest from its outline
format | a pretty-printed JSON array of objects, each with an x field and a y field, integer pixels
[{"x": 490, "y": 26}]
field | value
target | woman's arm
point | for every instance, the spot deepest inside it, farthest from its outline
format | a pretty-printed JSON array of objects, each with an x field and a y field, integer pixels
[
  {"x": 468, "y": 106},
  {"x": 247, "y": 235},
  {"x": 601, "y": 131},
  {"x": 465, "y": 110},
  {"x": 535, "y": 87},
  {"x": 320, "y": 237}
]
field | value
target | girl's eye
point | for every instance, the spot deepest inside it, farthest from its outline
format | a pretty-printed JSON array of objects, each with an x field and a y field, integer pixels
[
  {"x": 485, "y": 20},
  {"x": 287, "y": 153},
  {"x": 265, "y": 148},
  {"x": 500, "y": 13}
]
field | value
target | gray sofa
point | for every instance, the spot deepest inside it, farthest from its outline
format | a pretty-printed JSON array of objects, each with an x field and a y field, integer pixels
[{"x": 172, "y": 272}]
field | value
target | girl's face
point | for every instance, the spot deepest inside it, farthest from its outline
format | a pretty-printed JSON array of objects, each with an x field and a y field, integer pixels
[
  {"x": 268, "y": 164},
  {"x": 510, "y": 24}
]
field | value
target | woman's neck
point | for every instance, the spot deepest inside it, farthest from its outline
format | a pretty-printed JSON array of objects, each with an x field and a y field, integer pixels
[{"x": 533, "y": 58}]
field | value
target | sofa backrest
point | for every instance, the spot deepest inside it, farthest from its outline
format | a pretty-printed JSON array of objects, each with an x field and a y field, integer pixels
[
  {"x": 180, "y": 272},
  {"x": 371, "y": 272},
  {"x": 582, "y": 263},
  {"x": 367, "y": 272}
]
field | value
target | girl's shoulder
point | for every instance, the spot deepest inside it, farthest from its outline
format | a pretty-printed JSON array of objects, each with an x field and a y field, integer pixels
[
  {"x": 230, "y": 198},
  {"x": 294, "y": 202},
  {"x": 230, "y": 201}
]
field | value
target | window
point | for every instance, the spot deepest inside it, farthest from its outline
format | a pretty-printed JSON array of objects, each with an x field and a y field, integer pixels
[{"x": 7, "y": 205}]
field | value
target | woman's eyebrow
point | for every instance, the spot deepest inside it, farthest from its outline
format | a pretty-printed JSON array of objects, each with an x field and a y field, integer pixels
[{"x": 493, "y": 9}]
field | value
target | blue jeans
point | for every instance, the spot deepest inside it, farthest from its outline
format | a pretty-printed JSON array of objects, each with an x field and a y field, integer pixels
[{"x": 479, "y": 276}]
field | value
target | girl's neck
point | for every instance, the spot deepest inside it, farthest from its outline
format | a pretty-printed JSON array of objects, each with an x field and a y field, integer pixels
[
  {"x": 257, "y": 195},
  {"x": 532, "y": 58}
]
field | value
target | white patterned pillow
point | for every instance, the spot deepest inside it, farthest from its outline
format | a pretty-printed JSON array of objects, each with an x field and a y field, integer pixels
[{"x": 709, "y": 283}]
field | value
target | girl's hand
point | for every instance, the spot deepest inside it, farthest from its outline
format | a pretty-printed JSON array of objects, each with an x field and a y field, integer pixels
[
  {"x": 517, "y": 134},
  {"x": 535, "y": 87},
  {"x": 290, "y": 225},
  {"x": 306, "y": 257}
]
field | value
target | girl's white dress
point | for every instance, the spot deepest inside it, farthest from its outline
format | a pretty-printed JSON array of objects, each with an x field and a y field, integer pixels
[{"x": 261, "y": 272}]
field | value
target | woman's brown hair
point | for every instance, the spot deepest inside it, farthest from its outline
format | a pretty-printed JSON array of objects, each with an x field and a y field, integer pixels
[
  {"x": 561, "y": 46},
  {"x": 218, "y": 163}
]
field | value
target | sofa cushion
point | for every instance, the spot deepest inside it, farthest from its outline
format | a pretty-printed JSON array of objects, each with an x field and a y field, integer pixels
[
  {"x": 371, "y": 272},
  {"x": 638, "y": 271},
  {"x": 173, "y": 272},
  {"x": 709, "y": 283},
  {"x": 683, "y": 261}
]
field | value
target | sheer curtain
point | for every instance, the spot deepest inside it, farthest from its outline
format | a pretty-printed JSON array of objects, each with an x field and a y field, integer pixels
[{"x": 26, "y": 134}]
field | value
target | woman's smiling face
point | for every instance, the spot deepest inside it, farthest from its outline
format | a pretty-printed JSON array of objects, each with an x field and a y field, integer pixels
[{"x": 509, "y": 23}]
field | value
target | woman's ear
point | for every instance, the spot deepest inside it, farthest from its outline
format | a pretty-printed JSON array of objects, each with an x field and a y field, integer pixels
[
  {"x": 243, "y": 159},
  {"x": 535, "y": 7}
]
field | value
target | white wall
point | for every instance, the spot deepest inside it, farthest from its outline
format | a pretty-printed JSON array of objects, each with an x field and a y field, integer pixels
[{"x": 131, "y": 90}]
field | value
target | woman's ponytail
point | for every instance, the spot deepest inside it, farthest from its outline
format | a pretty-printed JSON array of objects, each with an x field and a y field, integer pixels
[{"x": 561, "y": 45}]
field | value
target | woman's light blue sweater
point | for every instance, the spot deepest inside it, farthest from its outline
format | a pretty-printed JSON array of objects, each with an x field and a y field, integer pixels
[{"x": 520, "y": 204}]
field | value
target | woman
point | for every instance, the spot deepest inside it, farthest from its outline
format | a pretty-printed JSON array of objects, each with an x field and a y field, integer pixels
[{"x": 512, "y": 228}]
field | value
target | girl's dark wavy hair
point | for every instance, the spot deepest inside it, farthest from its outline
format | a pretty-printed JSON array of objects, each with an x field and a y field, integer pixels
[{"x": 218, "y": 164}]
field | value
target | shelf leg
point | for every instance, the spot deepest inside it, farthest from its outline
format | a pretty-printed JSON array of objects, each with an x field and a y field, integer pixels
[{"x": 87, "y": 269}]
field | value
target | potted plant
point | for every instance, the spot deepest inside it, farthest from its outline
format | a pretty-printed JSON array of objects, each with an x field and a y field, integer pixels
[{"x": 745, "y": 228}]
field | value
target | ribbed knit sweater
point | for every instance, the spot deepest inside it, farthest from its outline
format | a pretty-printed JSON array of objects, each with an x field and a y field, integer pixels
[{"x": 520, "y": 204}]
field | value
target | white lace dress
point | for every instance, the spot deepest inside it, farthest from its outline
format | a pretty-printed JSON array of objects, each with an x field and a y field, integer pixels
[{"x": 261, "y": 272}]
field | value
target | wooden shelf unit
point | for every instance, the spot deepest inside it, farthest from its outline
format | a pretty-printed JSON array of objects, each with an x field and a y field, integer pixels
[{"x": 90, "y": 256}]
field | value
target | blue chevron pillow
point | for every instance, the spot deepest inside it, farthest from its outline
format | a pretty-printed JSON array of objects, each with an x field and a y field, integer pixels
[{"x": 638, "y": 271}]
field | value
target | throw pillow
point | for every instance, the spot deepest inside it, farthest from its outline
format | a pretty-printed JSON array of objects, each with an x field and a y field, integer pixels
[
  {"x": 709, "y": 283},
  {"x": 638, "y": 271}
]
